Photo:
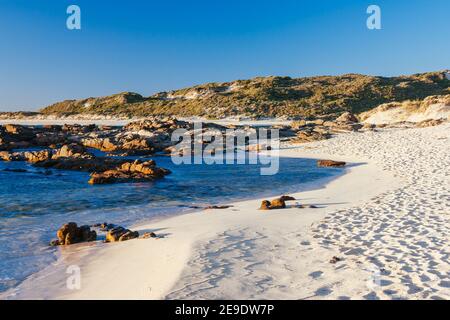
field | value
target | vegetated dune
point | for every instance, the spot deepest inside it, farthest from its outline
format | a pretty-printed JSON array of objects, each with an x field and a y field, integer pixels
[
  {"x": 265, "y": 97},
  {"x": 431, "y": 108}
]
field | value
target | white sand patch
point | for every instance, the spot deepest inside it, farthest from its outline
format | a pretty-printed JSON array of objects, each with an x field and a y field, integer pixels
[
  {"x": 399, "y": 114},
  {"x": 431, "y": 108}
]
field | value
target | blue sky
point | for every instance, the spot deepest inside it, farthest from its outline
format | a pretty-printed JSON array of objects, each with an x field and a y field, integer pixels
[{"x": 151, "y": 46}]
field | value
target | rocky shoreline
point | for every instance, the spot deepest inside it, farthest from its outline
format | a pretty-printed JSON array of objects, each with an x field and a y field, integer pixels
[{"x": 77, "y": 147}]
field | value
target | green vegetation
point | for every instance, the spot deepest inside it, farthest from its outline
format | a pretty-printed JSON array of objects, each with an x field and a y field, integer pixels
[{"x": 324, "y": 96}]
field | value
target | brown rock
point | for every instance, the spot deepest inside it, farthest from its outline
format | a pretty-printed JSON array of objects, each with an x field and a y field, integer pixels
[
  {"x": 72, "y": 150},
  {"x": 330, "y": 163},
  {"x": 37, "y": 156},
  {"x": 11, "y": 156},
  {"x": 287, "y": 198},
  {"x": 298, "y": 124},
  {"x": 129, "y": 235},
  {"x": 346, "y": 127},
  {"x": 129, "y": 172},
  {"x": 309, "y": 136},
  {"x": 120, "y": 234},
  {"x": 430, "y": 123},
  {"x": 347, "y": 117},
  {"x": 149, "y": 235},
  {"x": 335, "y": 260},
  {"x": 70, "y": 233},
  {"x": 369, "y": 126},
  {"x": 277, "y": 204},
  {"x": 265, "y": 205},
  {"x": 30, "y": 156}
]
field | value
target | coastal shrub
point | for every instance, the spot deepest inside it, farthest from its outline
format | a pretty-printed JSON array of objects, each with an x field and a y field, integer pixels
[{"x": 327, "y": 96}]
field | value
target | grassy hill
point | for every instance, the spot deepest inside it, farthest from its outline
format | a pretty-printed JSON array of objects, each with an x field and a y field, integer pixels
[{"x": 326, "y": 96}]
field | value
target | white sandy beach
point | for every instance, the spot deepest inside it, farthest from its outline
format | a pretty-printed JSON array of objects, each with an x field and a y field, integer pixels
[{"x": 388, "y": 219}]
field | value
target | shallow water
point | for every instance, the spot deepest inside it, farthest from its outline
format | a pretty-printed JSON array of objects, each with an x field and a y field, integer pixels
[{"x": 35, "y": 203}]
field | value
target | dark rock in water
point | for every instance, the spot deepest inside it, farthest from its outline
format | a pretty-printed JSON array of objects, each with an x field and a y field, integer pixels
[
  {"x": 15, "y": 170},
  {"x": 330, "y": 163},
  {"x": 136, "y": 171},
  {"x": 265, "y": 205},
  {"x": 82, "y": 164},
  {"x": 218, "y": 207},
  {"x": 120, "y": 234},
  {"x": 70, "y": 233}
]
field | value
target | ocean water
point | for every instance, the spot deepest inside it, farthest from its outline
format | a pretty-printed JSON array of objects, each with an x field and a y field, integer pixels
[{"x": 35, "y": 203}]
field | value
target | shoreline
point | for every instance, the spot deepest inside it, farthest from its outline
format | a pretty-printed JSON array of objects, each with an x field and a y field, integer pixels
[
  {"x": 158, "y": 263},
  {"x": 385, "y": 220}
]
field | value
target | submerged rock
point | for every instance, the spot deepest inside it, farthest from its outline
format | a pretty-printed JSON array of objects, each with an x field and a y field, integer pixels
[
  {"x": 218, "y": 207},
  {"x": 82, "y": 164}
]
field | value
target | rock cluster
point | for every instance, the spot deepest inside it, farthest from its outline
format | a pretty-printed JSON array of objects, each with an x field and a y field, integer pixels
[
  {"x": 66, "y": 148},
  {"x": 70, "y": 233},
  {"x": 303, "y": 131},
  {"x": 278, "y": 203},
  {"x": 136, "y": 171}
]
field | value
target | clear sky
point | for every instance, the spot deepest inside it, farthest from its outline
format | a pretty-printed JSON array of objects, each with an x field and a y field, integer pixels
[{"x": 150, "y": 46}]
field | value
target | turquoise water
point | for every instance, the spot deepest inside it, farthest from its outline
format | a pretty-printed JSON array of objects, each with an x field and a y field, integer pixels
[{"x": 35, "y": 203}]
